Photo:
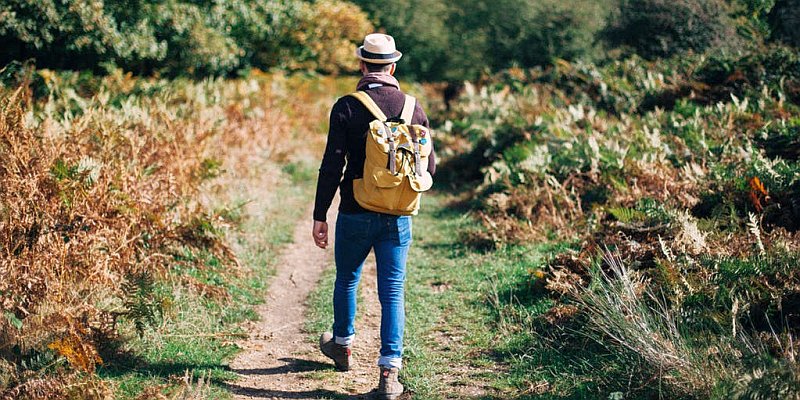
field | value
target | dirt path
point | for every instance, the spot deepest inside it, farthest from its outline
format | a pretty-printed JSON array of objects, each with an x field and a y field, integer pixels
[{"x": 279, "y": 361}]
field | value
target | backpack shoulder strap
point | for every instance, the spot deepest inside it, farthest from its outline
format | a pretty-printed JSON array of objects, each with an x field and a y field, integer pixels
[
  {"x": 364, "y": 98},
  {"x": 408, "y": 109}
]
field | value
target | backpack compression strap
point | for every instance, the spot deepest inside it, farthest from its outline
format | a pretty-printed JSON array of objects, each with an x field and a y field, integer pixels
[{"x": 407, "y": 114}]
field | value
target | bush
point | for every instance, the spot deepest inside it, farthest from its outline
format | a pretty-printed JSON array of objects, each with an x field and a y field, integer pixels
[
  {"x": 176, "y": 37},
  {"x": 697, "y": 201},
  {"x": 76, "y": 34},
  {"x": 326, "y": 36},
  {"x": 104, "y": 233},
  {"x": 777, "y": 67},
  {"x": 658, "y": 28},
  {"x": 194, "y": 45}
]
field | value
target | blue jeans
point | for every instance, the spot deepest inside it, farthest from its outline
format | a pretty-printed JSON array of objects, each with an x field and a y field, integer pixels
[{"x": 390, "y": 236}]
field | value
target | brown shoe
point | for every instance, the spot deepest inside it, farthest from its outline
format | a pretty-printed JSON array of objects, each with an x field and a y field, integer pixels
[
  {"x": 389, "y": 388},
  {"x": 338, "y": 353}
]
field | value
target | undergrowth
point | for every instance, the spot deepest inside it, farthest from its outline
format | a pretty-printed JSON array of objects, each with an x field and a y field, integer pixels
[
  {"x": 678, "y": 181},
  {"x": 128, "y": 248}
]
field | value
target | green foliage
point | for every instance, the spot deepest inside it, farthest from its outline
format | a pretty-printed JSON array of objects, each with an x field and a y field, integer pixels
[
  {"x": 76, "y": 34},
  {"x": 777, "y": 67},
  {"x": 777, "y": 379},
  {"x": 751, "y": 17},
  {"x": 194, "y": 45},
  {"x": 142, "y": 305},
  {"x": 657, "y": 28},
  {"x": 13, "y": 319},
  {"x": 658, "y": 161},
  {"x": 460, "y": 40},
  {"x": 534, "y": 33},
  {"x": 420, "y": 30},
  {"x": 627, "y": 215},
  {"x": 177, "y": 37},
  {"x": 441, "y": 40}
]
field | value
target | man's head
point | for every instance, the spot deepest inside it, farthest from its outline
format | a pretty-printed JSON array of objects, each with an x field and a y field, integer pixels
[
  {"x": 367, "y": 67},
  {"x": 378, "y": 54}
]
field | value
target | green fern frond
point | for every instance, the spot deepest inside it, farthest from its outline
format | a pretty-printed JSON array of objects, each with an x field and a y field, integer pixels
[
  {"x": 627, "y": 215},
  {"x": 141, "y": 304}
]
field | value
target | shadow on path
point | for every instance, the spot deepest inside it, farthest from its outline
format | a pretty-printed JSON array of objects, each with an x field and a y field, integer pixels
[
  {"x": 291, "y": 365},
  {"x": 286, "y": 394},
  {"x": 309, "y": 394}
]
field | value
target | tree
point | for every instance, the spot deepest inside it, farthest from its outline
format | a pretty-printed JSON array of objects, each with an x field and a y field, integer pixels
[
  {"x": 420, "y": 30},
  {"x": 534, "y": 33},
  {"x": 660, "y": 28}
]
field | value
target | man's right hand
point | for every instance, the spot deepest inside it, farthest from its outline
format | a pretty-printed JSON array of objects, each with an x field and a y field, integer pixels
[{"x": 320, "y": 232}]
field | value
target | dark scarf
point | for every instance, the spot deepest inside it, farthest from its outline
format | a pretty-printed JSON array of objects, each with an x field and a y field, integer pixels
[{"x": 377, "y": 77}]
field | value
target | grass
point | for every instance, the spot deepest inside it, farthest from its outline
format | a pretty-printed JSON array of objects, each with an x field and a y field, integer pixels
[
  {"x": 192, "y": 185},
  {"x": 474, "y": 322},
  {"x": 469, "y": 311},
  {"x": 463, "y": 310},
  {"x": 696, "y": 199},
  {"x": 196, "y": 336},
  {"x": 475, "y": 327},
  {"x": 319, "y": 314},
  {"x": 443, "y": 292}
]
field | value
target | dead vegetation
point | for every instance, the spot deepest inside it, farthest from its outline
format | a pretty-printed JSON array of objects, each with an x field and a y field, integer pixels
[{"x": 99, "y": 198}]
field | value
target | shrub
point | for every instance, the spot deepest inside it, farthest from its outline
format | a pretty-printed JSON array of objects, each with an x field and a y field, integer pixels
[
  {"x": 76, "y": 34},
  {"x": 776, "y": 67},
  {"x": 326, "y": 34},
  {"x": 194, "y": 45},
  {"x": 176, "y": 37},
  {"x": 100, "y": 212},
  {"x": 657, "y": 28},
  {"x": 461, "y": 40}
]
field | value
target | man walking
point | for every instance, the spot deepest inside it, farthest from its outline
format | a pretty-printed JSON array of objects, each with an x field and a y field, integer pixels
[{"x": 358, "y": 230}]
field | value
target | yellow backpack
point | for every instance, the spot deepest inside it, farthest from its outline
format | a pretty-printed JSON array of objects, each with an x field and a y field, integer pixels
[{"x": 396, "y": 166}]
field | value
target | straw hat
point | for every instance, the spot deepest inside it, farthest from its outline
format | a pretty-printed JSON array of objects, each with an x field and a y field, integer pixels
[{"x": 378, "y": 49}]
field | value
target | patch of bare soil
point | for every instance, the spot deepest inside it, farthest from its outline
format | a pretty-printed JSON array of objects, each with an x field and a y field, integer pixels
[{"x": 278, "y": 361}]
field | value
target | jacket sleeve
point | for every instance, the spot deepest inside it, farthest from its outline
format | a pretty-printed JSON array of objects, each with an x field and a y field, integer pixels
[
  {"x": 422, "y": 119},
  {"x": 333, "y": 161}
]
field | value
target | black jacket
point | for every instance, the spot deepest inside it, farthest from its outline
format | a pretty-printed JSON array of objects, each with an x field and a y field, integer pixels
[{"x": 349, "y": 123}]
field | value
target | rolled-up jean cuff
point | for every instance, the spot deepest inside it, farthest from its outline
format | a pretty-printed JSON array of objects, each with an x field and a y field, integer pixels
[
  {"x": 390, "y": 362},
  {"x": 344, "y": 341}
]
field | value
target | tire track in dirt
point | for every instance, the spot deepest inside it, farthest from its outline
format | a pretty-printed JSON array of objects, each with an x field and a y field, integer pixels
[{"x": 278, "y": 360}]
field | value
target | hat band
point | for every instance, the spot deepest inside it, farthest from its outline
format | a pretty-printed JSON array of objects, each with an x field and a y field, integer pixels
[{"x": 376, "y": 56}]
